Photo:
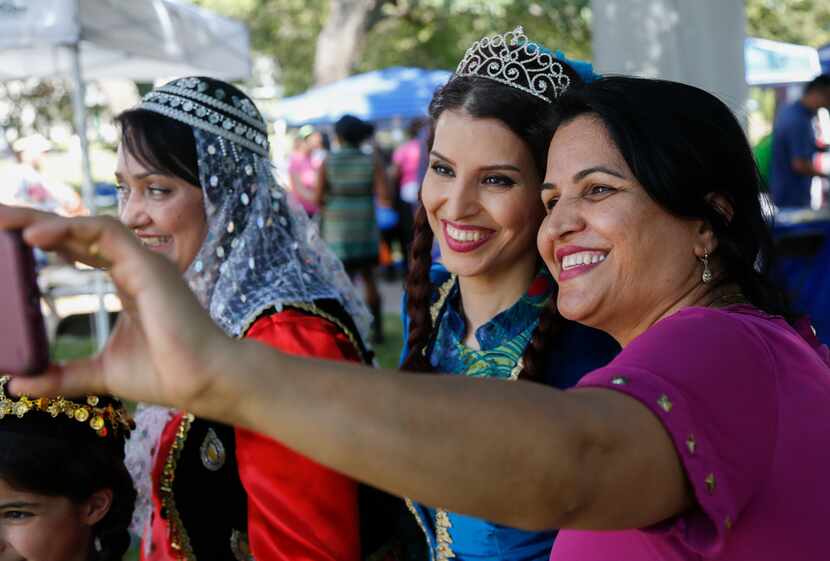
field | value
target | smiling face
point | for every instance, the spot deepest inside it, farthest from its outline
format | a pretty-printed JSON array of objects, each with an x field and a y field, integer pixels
[
  {"x": 620, "y": 259},
  {"x": 36, "y": 527},
  {"x": 481, "y": 197},
  {"x": 166, "y": 212}
]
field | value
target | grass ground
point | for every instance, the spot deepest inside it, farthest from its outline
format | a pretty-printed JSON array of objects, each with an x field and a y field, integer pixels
[
  {"x": 69, "y": 347},
  {"x": 389, "y": 351}
]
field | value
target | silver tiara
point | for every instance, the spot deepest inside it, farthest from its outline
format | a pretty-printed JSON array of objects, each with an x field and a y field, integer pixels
[{"x": 517, "y": 62}]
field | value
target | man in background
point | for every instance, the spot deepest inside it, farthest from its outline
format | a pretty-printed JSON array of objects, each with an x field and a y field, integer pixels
[{"x": 794, "y": 146}]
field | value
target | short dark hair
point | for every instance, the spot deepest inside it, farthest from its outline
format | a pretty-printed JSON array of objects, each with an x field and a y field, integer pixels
[
  {"x": 683, "y": 144},
  {"x": 414, "y": 127},
  {"x": 822, "y": 81},
  {"x": 353, "y": 130}
]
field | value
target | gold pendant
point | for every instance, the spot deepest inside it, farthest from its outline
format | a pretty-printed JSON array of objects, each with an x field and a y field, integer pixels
[
  {"x": 212, "y": 451},
  {"x": 240, "y": 547}
]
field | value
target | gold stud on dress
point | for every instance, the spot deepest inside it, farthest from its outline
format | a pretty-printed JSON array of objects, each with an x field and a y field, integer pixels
[{"x": 710, "y": 483}]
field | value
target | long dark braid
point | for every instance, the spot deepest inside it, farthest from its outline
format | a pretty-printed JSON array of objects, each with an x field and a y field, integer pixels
[
  {"x": 551, "y": 323},
  {"x": 419, "y": 295}
]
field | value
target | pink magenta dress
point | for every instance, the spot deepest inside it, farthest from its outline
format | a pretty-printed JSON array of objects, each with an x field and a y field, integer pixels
[{"x": 746, "y": 400}]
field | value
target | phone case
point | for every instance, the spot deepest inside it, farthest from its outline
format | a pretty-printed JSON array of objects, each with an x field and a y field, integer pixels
[{"x": 24, "y": 348}]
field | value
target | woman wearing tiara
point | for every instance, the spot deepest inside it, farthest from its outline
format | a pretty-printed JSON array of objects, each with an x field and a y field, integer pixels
[
  {"x": 488, "y": 309},
  {"x": 196, "y": 185}
]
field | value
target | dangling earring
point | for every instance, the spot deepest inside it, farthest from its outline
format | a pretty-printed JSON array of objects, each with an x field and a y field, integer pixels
[
  {"x": 97, "y": 544},
  {"x": 707, "y": 272}
]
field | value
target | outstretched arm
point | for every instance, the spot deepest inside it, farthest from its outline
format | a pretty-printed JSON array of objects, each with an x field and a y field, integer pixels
[{"x": 513, "y": 452}]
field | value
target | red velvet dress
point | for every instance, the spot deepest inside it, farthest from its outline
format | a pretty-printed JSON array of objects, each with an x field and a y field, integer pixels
[{"x": 292, "y": 508}]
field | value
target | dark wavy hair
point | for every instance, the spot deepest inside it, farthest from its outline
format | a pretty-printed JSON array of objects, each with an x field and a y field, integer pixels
[
  {"x": 532, "y": 120},
  {"x": 160, "y": 143},
  {"x": 683, "y": 144},
  {"x": 62, "y": 457}
]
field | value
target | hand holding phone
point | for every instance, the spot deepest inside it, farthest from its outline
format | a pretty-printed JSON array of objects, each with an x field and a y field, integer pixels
[{"x": 24, "y": 348}]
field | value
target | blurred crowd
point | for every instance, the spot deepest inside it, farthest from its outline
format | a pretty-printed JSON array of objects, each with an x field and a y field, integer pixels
[
  {"x": 24, "y": 182},
  {"x": 363, "y": 194}
]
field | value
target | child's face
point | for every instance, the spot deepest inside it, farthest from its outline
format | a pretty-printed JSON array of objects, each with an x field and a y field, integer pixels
[{"x": 43, "y": 528}]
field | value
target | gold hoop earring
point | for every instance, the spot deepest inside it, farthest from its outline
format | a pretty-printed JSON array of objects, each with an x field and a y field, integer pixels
[{"x": 707, "y": 272}]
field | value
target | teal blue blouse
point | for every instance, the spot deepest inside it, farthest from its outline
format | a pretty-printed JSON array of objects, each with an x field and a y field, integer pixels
[{"x": 503, "y": 341}]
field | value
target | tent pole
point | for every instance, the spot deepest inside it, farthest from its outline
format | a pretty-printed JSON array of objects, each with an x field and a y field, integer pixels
[{"x": 78, "y": 101}]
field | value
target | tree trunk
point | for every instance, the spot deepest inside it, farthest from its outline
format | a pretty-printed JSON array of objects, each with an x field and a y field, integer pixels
[{"x": 340, "y": 39}]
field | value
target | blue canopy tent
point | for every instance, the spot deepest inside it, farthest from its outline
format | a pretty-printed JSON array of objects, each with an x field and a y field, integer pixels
[
  {"x": 824, "y": 56},
  {"x": 390, "y": 93}
]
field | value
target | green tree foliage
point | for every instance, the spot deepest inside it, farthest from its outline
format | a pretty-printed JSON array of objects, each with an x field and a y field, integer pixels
[
  {"x": 29, "y": 106},
  {"x": 806, "y": 22},
  {"x": 285, "y": 30},
  {"x": 425, "y": 33},
  {"x": 435, "y": 34}
]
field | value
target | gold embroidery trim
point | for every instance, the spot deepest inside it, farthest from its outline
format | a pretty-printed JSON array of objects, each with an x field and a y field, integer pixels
[
  {"x": 435, "y": 308},
  {"x": 423, "y": 528},
  {"x": 443, "y": 539},
  {"x": 314, "y": 310},
  {"x": 179, "y": 540},
  {"x": 517, "y": 370},
  {"x": 443, "y": 294},
  {"x": 253, "y": 317}
]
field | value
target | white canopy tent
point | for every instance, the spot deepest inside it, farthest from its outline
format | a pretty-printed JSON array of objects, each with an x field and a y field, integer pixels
[
  {"x": 140, "y": 40},
  {"x": 136, "y": 39}
]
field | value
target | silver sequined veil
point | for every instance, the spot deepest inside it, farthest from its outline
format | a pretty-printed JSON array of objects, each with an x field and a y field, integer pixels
[{"x": 260, "y": 252}]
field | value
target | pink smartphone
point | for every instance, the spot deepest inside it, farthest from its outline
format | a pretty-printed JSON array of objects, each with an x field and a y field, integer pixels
[{"x": 24, "y": 348}]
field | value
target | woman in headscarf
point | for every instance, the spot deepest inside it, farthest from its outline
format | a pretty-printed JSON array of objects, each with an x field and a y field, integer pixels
[{"x": 196, "y": 185}]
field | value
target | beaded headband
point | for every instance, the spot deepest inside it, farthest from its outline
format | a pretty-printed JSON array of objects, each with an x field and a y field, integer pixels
[
  {"x": 203, "y": 103},
  {"x": 100, "y": 419},
  {"x": 515, "y": 61}
]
